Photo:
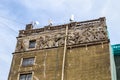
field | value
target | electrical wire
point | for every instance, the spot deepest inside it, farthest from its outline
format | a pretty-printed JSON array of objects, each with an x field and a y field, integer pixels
[
  {"x": 9, "y": 27},
  {"x": 11, "y": 20}
]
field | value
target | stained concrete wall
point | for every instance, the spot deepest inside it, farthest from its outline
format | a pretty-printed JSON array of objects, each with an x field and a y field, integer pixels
[{"x": 81, "y": 63}]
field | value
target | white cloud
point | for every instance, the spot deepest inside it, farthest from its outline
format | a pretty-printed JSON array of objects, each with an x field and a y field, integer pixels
[
  {"x": 8, "y": 32},
  {"x": 57, "y": 10},
  {"x": 112, "y": 10},
  {"x": 42, "y": 4},
  {"x": 58, "y": 5}
]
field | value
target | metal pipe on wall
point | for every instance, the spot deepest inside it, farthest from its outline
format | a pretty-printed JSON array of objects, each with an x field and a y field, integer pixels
[{"x": 64, "y": 54}]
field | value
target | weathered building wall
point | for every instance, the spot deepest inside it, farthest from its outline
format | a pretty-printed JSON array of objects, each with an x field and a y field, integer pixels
[
  {"x": 81, "y": 63},
  {"x": 87, "y": 54}
]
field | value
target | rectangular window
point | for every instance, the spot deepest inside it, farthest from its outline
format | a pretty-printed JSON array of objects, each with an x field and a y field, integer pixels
[
  {"x": 28, "y": 61},
  {"x": 27, "y": 76},
  {"x": 32, "y": 43}
]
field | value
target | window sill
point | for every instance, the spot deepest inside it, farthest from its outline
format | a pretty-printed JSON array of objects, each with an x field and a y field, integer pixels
[{"x": 27, "y": 65}]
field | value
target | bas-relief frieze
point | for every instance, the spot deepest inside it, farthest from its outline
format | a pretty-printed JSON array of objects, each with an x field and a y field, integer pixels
[{"x": 75, "y": 35}]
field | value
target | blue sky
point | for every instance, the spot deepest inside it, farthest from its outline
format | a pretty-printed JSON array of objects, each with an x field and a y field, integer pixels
[{"x": 15, "y": 14}]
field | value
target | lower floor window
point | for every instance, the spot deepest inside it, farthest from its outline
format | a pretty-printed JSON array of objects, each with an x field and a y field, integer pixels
[
  {"x": 27, "y": 76},
  {"x": 28, "y": 61}
]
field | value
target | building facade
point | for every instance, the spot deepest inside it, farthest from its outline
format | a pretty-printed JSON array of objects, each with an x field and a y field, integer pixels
[
  {"x": 116, "y": 53},
  {"x": 73, "y": 51}
]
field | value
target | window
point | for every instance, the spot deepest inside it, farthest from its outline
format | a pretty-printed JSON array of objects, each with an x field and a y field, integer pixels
[
  {"x": 27, "y": 76},
  {"x": 32, "y": 43},
  {"x": 28, "y": 61}
]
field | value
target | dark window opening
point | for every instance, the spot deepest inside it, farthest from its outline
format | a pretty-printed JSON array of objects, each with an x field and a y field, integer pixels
[
  {"x": 32, "y": 43},
  {"x": 27, "y": 76}
]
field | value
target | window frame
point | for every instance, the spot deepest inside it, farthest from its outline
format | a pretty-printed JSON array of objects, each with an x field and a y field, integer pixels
[
  {"x": 32, "y": 44},
  {"x": 26, "y": 75},
  {"x": 25, "y": 65}
]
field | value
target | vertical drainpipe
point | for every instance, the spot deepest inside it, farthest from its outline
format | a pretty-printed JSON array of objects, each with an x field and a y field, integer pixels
[{"x": 64, "y": 54}]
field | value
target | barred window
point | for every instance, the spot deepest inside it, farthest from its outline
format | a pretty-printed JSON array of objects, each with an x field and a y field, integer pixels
[
  {"x": 32, "y": 43},
  {"x": 27, "y": 76},
  {"x": 28, "y": 61}
]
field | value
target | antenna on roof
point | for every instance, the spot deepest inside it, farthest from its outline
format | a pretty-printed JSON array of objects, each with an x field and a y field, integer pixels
[
  {"x": 50, "y": 22},
  {"x": 72, "y": 18},
  {"x": 34, "y": 23}
]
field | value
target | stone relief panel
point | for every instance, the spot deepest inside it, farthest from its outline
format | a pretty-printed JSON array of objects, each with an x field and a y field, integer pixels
[
  {"x": 22, "y": 45},
  {"x": 54, "y": 40},
  {"x": 76, "y": 35}
]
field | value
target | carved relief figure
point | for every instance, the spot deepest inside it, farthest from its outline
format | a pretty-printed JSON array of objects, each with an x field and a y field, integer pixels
[
  {"x": 59, "y": 39},
  {"x": 42, "y": 42},
  {"x": 20, "y": 45}
]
